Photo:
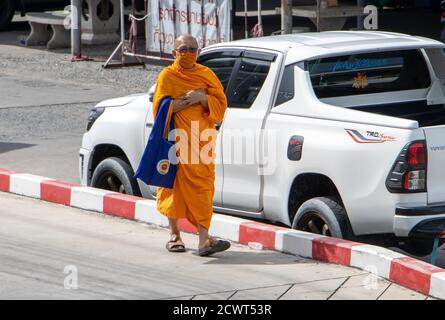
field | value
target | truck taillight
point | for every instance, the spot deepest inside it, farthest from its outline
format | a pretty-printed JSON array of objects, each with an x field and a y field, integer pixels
[
  {"x": 417, "y": 154},
  {"x": 409, "y": 172},
  {"x": 415, "y": 180}
]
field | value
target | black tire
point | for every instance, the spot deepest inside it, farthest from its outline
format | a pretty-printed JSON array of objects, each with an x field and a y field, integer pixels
[
  {"x": 420, "y": 247},
  {"x": 7, "y": 9},
  {"x": 322, "y": 215},
  {"x": 115, "y": 174}
]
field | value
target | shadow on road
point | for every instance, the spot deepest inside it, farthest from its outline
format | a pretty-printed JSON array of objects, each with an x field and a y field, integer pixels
[
  {"x": 252, "y": 258},
  {"x": 10, "y": 146}
]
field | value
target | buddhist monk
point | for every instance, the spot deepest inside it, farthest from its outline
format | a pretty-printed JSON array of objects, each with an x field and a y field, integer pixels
[{"x": 198, "y": 103}]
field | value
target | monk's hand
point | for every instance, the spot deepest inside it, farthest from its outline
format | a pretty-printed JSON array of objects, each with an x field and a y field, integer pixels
[
  {"x": 198, "y": 96},
  {"x": 179, "y": 104}
]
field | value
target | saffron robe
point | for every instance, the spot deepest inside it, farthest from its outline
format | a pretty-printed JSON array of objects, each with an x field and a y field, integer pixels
[{"x": 193, "y": 190}]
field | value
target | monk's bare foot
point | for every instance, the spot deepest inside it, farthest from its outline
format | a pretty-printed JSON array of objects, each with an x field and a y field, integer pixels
[
  {"x": 208, "y": 242},
  {"x": 205, "y": 244},
  {"x": 175, "y": 244},
  {"x": 213, "y": 245}
]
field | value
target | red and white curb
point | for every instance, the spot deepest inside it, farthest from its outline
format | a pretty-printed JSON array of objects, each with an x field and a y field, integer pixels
[{"x": 408, "y": 272}]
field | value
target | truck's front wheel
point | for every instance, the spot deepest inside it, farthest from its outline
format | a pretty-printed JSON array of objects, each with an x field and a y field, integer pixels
[
  {"x": 115, "y": 174},
  {"x": 7, "y": 9},
  {"x": 322, "y": 215}
]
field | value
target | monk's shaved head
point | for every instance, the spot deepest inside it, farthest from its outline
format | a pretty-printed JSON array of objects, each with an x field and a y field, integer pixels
[{"x": 186, "y": 39}]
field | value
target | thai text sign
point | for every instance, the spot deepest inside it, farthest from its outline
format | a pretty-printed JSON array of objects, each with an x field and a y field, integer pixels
[{"x": 207, "y": 20}]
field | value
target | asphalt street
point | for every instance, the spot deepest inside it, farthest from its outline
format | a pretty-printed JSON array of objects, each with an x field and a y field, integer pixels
[
  {"x": 43, "y": 140},
  {"x": 49, "y": 251},
  {"x": 42, "y": 92}
]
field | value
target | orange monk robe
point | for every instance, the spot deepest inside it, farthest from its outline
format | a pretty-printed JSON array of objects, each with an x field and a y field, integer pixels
[{"x": 193, "y": 190}]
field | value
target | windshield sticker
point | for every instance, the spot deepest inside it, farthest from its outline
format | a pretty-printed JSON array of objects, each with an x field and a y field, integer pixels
[
  {"x": 360, "y": 81},
  {"x": 362, "y": 64},
  {"x": 369, "y": 136},
  {"x": 354, "y": 64}
]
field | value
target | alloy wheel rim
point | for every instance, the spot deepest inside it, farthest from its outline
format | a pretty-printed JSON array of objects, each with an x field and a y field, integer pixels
[
  {"x": 313, "y": 223},
  {"x": 110, "y": 181}
]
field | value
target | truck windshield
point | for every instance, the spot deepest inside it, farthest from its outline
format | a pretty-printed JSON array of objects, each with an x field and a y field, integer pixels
[{"x": 376, "y": 72}]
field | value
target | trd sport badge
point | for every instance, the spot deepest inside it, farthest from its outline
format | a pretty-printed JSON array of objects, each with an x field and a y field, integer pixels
[
  {"x": 163, "y": 166},
  {"x": 369, "y": 136}
]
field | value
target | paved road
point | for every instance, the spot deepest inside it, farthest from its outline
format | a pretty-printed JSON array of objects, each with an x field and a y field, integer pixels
[
  {"x": 44, "y": 247},
  {"x": 43, "y": 140},
  {"x": 35, "y": 91}
]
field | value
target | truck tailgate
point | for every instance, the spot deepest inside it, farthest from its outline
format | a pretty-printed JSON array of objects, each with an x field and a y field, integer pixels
[{"x": 435, "y": 138}]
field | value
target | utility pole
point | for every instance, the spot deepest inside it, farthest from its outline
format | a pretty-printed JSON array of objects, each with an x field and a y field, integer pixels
[
  {"x": 76, "y": 36},
  {"x": 286, "y": 16},
  {"x": 260, "y": 20}
]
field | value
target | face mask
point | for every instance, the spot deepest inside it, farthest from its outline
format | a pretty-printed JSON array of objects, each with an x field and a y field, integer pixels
[{"x": 187, "y": 59}]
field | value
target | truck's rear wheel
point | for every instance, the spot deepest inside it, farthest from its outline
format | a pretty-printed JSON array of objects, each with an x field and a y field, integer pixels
[
  {"x": 322, "y": 215},
  {"x": 115, "y": 174},
  {"x": 7, "y": 9}
]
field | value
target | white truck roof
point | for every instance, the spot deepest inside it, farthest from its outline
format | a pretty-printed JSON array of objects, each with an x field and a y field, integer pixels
[{"x": 311, "y": 45}]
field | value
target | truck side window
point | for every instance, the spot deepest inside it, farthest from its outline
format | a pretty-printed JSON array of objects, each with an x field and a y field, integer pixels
[
  {"x": 286, "y": 91},
  {"x": 248, "y": 82},
  {"x": 366, "y": 73},
  {"x": 222, "y": 67}
]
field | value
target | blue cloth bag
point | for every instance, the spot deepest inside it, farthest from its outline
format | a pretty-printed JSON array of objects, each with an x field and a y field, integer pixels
[{"x": 155, "y": 167}]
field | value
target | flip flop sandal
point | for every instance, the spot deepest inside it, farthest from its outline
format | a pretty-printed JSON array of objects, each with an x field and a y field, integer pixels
[
  {"x": 175, "y": 246},
  {"x": 218, "y": 246}
]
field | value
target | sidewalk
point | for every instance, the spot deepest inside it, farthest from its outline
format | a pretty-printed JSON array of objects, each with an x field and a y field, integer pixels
[{"x": 121, "y": 259}]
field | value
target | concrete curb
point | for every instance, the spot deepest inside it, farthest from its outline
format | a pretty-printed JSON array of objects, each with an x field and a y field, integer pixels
[{"x": 400, "y": 269}]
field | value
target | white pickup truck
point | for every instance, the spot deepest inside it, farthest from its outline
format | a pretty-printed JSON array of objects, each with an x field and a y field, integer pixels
[{"x": 343, "y": 135}]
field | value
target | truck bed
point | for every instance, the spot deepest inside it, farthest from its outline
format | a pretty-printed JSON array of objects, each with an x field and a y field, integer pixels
[{"x": 426, "y": 115}]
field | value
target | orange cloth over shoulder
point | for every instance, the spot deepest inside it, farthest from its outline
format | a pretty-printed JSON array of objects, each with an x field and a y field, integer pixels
[{"x": 193, "y": 190}]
